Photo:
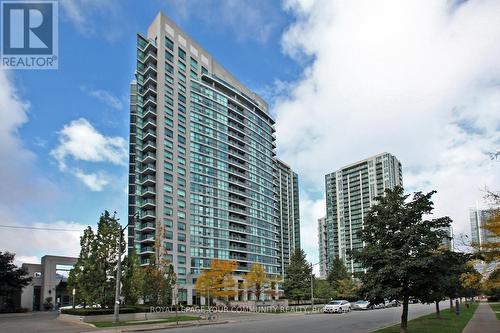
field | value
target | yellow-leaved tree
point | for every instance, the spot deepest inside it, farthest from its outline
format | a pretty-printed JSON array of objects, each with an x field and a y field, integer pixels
[
  {"x": 218, "y": 281},
  {"x": 256, "y": 280}
]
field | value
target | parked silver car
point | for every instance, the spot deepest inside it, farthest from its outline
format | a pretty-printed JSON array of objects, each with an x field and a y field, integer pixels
[
  {"x": 361, "y": 305},
  {"x": 337, "y": 307}
]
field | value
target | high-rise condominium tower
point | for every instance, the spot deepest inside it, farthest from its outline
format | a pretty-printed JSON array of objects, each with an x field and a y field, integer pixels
[
  {"x": 350, "y": 192},
  {"x": 203, "y": 179},
  {"x": 288, "y": 193},
  {"x": 323, "y": 245},
  {"x": 478, "y": 217}
]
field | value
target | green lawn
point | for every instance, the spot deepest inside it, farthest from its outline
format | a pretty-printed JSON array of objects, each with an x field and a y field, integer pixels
[
  {"x": 449, "y": 322},
  {"x": 496, "y": 308},
  {"x": 144, "y": 322}
]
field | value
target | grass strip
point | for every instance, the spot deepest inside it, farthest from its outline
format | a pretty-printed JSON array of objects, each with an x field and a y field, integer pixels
[
  {"x": 144, "y": 322},
  {"x": 496, "y": 308},
  {"x": 448, "y": 323}
]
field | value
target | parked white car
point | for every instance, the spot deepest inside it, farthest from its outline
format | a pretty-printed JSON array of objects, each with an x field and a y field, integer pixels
[
  {"x": 361, "y": 305},
  {"x": 337, "y": 307}
]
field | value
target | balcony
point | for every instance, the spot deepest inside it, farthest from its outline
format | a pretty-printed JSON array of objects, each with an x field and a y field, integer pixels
[
  {"x": 145, "y": 262},
  {"x": 150, "y": 79},
  {"x": 150, "y": 89},
  {"x": 148, "y": 203},
  {"x": 147, "y": 238},
  {"x": 147, "y": 226},
  {"x": 148, "y": 157},
  {"x": 238, "y": 209},
  {"x": 149, "y": 146},
  {"x": 148, "y": 69},
  {"x": 240, "y": 200},
  {"x": 149, "y": 102},
  {"x": 147, "y": 250},
  {"x": 149, "y": 112},
  {"x": 150, "y": 123},
  {"x": 149, "y": 168},
  {"x": 149, "y": 134},
  {"x": 147, "y": 214},
  {"x": 148, "y": 192},
  {"x": 148, "y": 180}
]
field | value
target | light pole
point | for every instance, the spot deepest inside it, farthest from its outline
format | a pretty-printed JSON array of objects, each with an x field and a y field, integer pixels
[
  {"x": 312, "y": 286},
  {"x": 116, "y": 314}
]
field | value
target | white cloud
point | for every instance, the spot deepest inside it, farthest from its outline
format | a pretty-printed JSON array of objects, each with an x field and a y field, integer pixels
[
  {"x": 418, "y": 79},
  {"x": 21, "y": 180},
  {"x": 105, "y": 97},
  {"x": 94, "y": 181},
  {"x": 81, "y": 141}
]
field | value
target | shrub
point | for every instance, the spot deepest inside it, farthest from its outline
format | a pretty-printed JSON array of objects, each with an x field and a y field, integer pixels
[{"x": 95, "y": 312}]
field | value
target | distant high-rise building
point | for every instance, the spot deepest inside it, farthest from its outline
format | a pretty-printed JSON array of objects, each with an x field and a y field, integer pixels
[
  {"x": 448, "y": 243},
  {"x": 322, "y": 240},
  {"x": 288, "y": 198},
  {"x": 478, "y": 218},
  {"x": 350, "y": 192},
  {"x": 203, "y": 179}
]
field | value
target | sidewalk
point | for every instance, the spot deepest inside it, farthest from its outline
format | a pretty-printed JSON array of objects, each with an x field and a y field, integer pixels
[{"x": 484, "y": 320}]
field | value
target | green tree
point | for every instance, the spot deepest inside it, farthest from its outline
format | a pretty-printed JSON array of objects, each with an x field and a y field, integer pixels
[
  {"x": 323, "y": 290},
  {"x": 157, "y": 282},
  {"x": 94, "y": 273},
  {"x": 12, "y": 279},
  {"x": 131, "y": 278},
  {"x": 84, "y": 277},
  {"x": 297, "y": 282},
  {"x": 337, "y": 273},
  {"x": 400, "y": 244},
  {"x": 443, "y": 278}
]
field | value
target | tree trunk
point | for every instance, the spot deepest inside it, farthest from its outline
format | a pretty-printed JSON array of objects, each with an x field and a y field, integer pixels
[
  {"x": 451, "y": 303},
  {"x": 438, "y": 314},
  {"x": 404, "y": 315}
]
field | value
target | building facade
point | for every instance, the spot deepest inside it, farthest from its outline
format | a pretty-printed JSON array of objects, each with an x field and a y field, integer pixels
[
  {"x": 350, "y": 192},
  {"x": 204, "y": 179},
  {"x": 478, "y": 218},
  {"x": 322, "y": 243},
  {"x": 49, "y": 279},
  {"x": 288, "y": 200}
]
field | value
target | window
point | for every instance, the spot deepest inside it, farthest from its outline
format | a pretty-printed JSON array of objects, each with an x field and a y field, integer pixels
[
  {"x": 181, "y": 237},
  {"x": 168, "y": 223},
  {"x": 182, "y": 54},
  {"x": 181, "y": 226},
  {"x": 169, "y": 234},
  {"x": 204, "y": 70},
  {"x": 181, "y": 65},
  {"x": 169, "y": 246},
  {"x": 168, "y": 177},
  {"x": 181, "y": 215},
  {"x": 181, "y": 150},
  {"x": 168, "y": 200},
  {"x": 169, "y": 56},
  {"x": 169, "y": 43},
  {"x": 181, "y": 270},
  {"x": 181, "y": 193},
  {"x": 194, "y": 64},
  {"x": 181, "y": 260},
  {"x": 181, "y": 203},
  {"x": 181, "y": 248}
]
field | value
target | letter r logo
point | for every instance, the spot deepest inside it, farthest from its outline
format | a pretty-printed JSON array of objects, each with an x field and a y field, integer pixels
[{"x": 27, "y": 27}]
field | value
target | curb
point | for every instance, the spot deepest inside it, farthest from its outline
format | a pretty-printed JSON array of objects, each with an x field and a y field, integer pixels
[{"x": 155, "y": 327}]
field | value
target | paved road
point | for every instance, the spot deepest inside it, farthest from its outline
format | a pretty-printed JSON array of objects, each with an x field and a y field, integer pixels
[
  {"x": 353, "y": 322},
  {"x": 39, "y": 322},
  {"x": 356, "y": 321}
]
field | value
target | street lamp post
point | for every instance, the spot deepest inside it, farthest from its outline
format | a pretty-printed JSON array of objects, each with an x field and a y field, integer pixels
[
  {"x": 116, "y": 314},
  {"x": 312, "y": 286}
]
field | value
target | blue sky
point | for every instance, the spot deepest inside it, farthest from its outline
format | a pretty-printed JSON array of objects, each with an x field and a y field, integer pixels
[{"x": 345, "y": 80}]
